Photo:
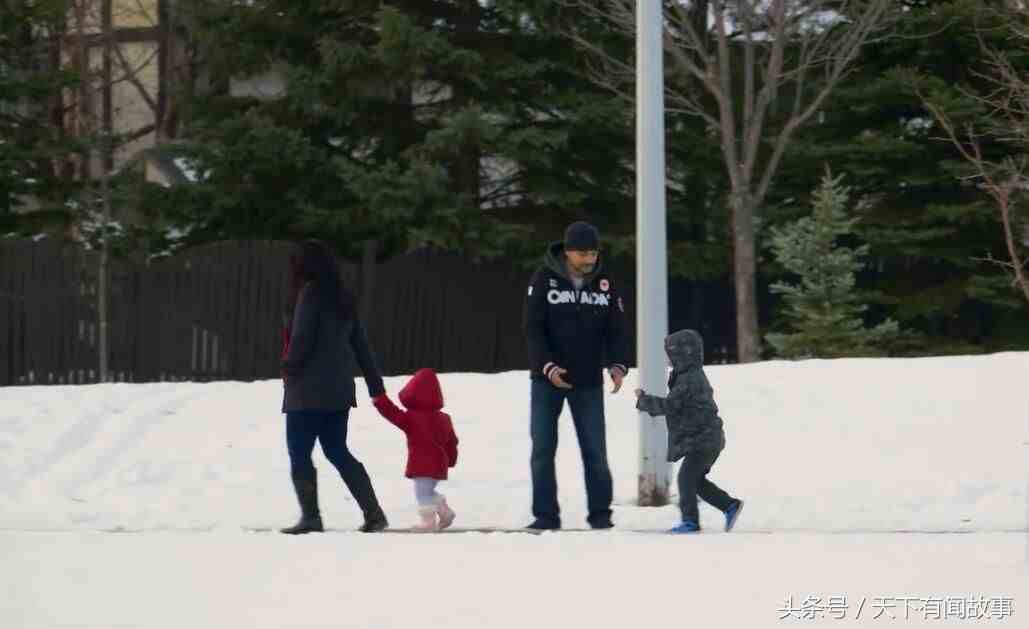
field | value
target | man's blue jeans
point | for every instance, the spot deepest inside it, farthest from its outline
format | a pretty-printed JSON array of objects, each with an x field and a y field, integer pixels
[{"x": 587, "y": 405}]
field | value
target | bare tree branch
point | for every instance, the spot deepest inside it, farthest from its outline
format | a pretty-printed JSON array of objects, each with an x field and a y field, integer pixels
[
  {"x": 998, "y": 181},
  {"x": 131, "y": 74},
  {"x": 728, "y": 61}
]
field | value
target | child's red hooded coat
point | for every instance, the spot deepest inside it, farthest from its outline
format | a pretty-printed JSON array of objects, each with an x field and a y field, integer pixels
[{"x": 431, "y": 442}]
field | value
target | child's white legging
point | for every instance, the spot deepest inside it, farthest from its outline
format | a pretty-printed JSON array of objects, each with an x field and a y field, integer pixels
[{"x": 425, "y": 491}]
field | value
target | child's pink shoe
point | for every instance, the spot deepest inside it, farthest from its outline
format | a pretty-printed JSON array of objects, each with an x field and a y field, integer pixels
[
  {"x": 428, "y": 519},
  {"x": 446, "y": 514}
]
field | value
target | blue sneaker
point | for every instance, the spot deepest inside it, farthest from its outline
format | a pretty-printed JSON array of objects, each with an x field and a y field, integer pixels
[
  {"x": 687, "y": 526},
  {"x": 732, "y": 513}
]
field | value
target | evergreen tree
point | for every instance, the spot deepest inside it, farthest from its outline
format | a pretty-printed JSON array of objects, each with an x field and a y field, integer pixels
[
  {"x": 463, "y": 124},
  {"x": 34, "y": 152},
  {"x": 823, "y": 312},
  {"x": 927, "y": 226}
]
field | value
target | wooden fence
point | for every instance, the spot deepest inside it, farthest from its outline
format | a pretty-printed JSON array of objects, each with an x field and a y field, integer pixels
[{"x": 214, "y": 313}]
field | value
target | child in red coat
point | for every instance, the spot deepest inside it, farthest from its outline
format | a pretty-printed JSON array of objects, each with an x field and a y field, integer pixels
[{"x": 431, "y": 444}]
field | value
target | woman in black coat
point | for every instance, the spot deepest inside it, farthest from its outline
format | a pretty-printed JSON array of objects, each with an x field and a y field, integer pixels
[{"x": 326, "y": 343}]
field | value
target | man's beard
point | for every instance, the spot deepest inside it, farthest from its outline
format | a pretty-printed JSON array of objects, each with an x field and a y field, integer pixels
[{"x": 584, "y": 269}]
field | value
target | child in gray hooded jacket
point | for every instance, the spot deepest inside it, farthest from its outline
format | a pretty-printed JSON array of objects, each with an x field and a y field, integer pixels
[{"x": 695, "y": 431}]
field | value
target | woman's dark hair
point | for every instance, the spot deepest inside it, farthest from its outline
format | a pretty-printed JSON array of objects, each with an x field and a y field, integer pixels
[{"x": 314, "y": 262}]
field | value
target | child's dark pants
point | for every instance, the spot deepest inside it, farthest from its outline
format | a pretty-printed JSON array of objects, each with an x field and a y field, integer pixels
[{"x": 693, "y": 482}]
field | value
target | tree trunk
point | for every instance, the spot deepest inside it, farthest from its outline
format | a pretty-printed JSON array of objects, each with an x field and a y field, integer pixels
[
  {"x": 748, "y": 341},
  {"x": 1004, "y": 202},
  {"x": 106, "y": 165},
  {"x": 164, "y": 40},
  {"x": 102, "y": 289},
  {"x": 466, "y": 176}
]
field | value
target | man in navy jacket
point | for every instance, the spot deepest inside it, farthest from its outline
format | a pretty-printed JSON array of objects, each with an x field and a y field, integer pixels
[{"x": 574, "y": 326}]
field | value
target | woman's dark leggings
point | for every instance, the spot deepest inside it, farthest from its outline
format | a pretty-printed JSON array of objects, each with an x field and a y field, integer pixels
[{"x": 329, "y": 428}]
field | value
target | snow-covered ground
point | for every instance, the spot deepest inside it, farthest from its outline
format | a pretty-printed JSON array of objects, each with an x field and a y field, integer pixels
[{"x": 874, "y": 489}]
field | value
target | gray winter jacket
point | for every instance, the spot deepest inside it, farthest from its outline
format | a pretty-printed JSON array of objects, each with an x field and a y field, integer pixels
[
  {"x": 689, "y": 409},
  {"x": 324, "y": 354}
]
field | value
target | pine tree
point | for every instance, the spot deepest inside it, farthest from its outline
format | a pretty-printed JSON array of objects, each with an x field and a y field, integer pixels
[
  {"x": 927, "y": 224},
  {"x": 461, "y": 124},
  {"x": 35, "y": 152},
  {"x": 822, "y": 311}
]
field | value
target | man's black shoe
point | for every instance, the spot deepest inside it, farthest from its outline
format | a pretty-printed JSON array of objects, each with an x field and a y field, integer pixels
[{"x": 544, "y": 525}]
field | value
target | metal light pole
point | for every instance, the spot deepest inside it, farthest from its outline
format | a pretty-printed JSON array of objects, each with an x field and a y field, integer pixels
[{"x": 651, "y": 246}]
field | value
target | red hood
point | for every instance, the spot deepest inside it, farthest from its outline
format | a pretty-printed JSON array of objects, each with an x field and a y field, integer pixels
[{"x": 422, "y": 391}]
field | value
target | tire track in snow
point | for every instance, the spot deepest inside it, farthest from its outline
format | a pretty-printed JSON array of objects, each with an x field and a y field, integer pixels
[{"x": 81, "y": 436}]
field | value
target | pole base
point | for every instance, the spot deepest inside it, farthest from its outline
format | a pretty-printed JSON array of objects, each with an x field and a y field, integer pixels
[{"x": 651, "y": 493}]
